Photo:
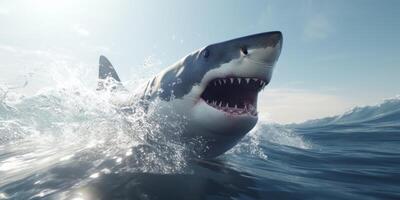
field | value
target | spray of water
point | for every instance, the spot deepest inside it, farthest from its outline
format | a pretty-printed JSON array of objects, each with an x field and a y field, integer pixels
[
  {"x": 253, "y": 144},
  {"x": 71, "y": 124}
]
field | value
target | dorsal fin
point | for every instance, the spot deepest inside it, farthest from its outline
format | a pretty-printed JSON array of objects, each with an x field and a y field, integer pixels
[
  {"x": 106, "y": 69},
  {"x": 107, "y": 75}
]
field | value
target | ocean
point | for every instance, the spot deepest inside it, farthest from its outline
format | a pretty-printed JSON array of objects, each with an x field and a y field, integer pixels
[{"x": 73, "y": 144}]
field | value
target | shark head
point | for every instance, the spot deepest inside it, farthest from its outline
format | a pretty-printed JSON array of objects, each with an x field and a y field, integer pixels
[{"x": 217, "y": 88}]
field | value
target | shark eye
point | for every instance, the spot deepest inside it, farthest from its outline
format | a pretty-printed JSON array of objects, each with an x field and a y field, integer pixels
[
  {"x": 206, "y": 53},
  {"x": 244, "y": 50}
]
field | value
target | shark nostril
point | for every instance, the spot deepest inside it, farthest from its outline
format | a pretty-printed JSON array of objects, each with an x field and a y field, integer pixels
[{"x": 244, "y": 50}]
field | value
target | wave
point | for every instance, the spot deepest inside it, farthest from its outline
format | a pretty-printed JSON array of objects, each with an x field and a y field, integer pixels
[
  {"x": 387, "y": 112},
  {"x": 264, "y": 136},
  {"x": 58, "y": 127}
]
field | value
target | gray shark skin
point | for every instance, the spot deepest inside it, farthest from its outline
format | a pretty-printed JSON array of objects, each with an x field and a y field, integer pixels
[{"x": 214, "y": 89}]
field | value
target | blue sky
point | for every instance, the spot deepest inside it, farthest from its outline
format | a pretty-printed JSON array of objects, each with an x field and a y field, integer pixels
[{"x": 336, "y": 54}]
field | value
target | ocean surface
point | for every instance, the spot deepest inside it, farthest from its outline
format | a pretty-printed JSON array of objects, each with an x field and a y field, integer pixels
[{"x": 73, "y": 144}]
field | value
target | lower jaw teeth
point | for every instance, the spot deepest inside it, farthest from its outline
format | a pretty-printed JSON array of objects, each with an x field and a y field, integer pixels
[{"x": 248, "y": 109}]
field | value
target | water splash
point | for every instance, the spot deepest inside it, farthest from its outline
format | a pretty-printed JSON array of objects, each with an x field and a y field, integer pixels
[
  {"x": 253, "y": 144},
  {"x": 81, "y": 130},
  {"x": 281, "y": 135},
  {"x": 71, "y": 127},
  {"x": 250, "y": 146}
]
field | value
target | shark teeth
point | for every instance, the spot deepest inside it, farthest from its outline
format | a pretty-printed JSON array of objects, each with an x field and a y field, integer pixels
[
  {"x": 238, "y": 80},
  {"x": 248, "y": 109},
  {"x": 234, "y": 95}
]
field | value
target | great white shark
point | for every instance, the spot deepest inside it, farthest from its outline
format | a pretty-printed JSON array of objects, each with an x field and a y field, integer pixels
[{"x": 214, "y": 90}]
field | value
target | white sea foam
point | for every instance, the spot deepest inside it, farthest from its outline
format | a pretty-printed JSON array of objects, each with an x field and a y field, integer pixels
[
  {"x": 281, "y": 135},
  {"x": 254, "y": 142},
  {"x": 70, "y": 122}
]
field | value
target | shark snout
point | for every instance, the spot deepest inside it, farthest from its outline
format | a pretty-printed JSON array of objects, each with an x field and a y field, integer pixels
[
  {"x": 264, "y": 48},
  {"x": 273, "y": 39}
]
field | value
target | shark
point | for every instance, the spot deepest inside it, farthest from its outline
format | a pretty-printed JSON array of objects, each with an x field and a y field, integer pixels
[{"x": 214, "y": 90}]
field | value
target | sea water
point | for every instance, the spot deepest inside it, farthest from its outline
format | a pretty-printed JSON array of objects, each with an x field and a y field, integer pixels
[{"x": 72, "y": 143}]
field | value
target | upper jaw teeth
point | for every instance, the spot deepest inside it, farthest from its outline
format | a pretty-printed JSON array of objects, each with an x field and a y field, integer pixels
[{"x": 223, "y": 81}]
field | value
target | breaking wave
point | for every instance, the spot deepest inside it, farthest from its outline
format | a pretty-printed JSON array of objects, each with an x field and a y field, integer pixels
[{"x": 387, "y": 112}]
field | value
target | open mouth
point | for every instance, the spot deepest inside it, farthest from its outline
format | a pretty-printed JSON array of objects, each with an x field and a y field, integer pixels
[{"x": 234, "y": 95}]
